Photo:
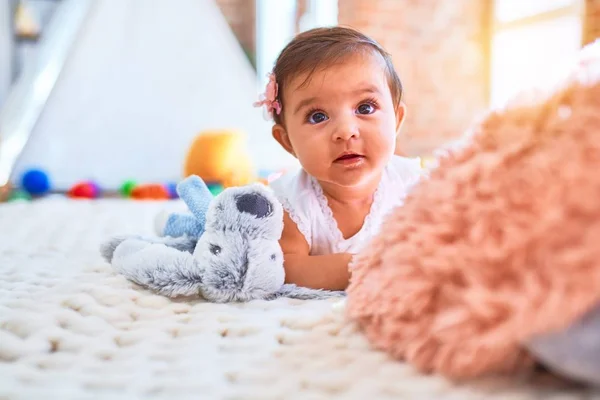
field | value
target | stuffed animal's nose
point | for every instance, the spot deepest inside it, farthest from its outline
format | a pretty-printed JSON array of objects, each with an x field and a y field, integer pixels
[{"x": 255, "y": 204}]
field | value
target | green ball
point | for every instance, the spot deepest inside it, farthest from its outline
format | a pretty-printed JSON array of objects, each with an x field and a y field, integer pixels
[
  {"x": 127, "y": 187},
  {"x": 17, "y": 195},
  {"x": 215, "y": 188}
]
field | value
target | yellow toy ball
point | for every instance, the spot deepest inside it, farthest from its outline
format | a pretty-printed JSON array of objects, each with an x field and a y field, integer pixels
[{"x": 220, "y": 156}]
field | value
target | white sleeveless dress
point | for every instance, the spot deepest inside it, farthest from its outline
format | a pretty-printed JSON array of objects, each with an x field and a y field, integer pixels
[{"x": 302, "y": 197}]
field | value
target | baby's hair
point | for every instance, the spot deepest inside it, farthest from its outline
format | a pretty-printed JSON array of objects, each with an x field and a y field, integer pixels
[{"x": 321, "y": 47}]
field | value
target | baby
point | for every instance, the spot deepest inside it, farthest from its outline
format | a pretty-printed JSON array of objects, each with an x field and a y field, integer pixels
[{"x": 336, "y": 102}]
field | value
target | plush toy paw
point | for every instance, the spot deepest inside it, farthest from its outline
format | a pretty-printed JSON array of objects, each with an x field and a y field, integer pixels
[
  {"x": 301, "y": 293},
  {"x": 184, "y": 243},
  {"x": 160, "y": 222},
  {"x": 107, "y": 249},
  {"x": 156, "y": 266},
  {"x": 128, "y": 247}
]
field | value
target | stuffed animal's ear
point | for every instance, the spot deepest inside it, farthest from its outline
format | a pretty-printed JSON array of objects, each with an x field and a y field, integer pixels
[
  {"x": 254, "y": 204},
  {"x": 196, "y": 195}
]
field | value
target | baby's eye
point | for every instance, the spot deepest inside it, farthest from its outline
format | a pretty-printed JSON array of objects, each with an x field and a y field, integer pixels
[
  {"x": 317, "y": 118},
  {"x": 366, "y": 108}
]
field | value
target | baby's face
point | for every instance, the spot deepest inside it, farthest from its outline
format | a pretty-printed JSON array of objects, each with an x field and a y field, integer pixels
[{"x": 342, "y": 124}]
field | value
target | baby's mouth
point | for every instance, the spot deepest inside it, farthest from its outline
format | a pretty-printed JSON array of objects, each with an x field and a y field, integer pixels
[{"x": 349, "y": 157}]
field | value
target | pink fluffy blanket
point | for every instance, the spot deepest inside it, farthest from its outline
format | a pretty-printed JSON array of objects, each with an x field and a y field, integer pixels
[{"x": 499, "y": 244}]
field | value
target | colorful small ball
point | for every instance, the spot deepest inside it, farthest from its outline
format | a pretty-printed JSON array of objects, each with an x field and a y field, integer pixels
[
  {"x": 215, "y": 188},
  {"x": 127, "y": 187},
  {"x": 96, "y": 187},
  {"x": 84, "y": 190},
  {"x": 35, "y": 182},
  {"x": 171, "y": 188},
  {"x": 19, "y": 195},
  {"x": 150, "y": 192},
  {"x": 5, "y": 191}
]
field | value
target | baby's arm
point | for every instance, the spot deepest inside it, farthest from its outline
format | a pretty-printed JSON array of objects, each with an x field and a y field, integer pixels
[{"x": 329, "y": 272}]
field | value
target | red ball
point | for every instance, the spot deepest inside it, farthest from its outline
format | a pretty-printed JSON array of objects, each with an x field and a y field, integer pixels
[{"x": 84, "y": 190}]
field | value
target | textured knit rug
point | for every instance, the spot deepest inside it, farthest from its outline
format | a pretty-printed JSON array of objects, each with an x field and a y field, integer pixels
[{"x": 70, "y": 328}]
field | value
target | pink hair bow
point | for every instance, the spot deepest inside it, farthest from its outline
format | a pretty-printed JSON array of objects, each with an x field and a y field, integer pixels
[{"x": 269, "y": 98}]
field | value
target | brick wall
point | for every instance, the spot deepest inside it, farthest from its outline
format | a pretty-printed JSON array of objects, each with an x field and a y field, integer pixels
[
  {"x": 440, "y": 51},
  {"x": 591, "y": 21},
  {"x": 241, "y": 16}
]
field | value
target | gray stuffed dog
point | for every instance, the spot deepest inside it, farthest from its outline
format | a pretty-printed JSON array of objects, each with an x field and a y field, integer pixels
[{"x": 226, "y": 249}]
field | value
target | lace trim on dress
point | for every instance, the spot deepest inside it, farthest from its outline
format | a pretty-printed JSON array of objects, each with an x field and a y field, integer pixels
[{"x": 332, "y": 225}]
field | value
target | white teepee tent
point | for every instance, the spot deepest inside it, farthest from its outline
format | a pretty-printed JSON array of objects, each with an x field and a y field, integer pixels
[{"x": 142, "y": 78}]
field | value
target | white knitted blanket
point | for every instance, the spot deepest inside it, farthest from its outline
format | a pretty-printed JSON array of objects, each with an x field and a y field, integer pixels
[{"x": 70, "y": 328}]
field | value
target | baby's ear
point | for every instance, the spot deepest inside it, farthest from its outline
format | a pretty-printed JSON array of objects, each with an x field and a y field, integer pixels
[
  {"x": 400, "y": 117},
  {"x": 280, "y": 134}
]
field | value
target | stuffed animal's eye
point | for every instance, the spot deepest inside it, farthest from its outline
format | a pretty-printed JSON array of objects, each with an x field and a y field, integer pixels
[
  {"x": 215, "y": 249},
  {"x": 273, "y": 257}
]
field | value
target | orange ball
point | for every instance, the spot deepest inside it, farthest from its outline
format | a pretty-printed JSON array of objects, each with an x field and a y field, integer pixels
[
  {"x": 150, "y": 192},
  {"x": 220, "y": 156}
]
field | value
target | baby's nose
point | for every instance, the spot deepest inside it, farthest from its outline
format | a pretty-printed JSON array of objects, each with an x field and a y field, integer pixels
[
  {"x": 346, "y": 129},
  {"x": 254, "y": 204}
]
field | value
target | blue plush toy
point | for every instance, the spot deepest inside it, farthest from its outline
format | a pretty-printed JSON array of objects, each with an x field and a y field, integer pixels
[
  {"x": 197, "y": 197},
  {"x": 225, "y": 249}
]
